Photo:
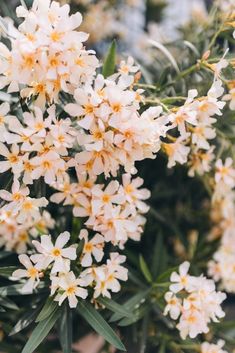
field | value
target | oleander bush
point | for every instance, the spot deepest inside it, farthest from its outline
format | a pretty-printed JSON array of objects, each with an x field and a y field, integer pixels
[{"x": 117, "y": 201}]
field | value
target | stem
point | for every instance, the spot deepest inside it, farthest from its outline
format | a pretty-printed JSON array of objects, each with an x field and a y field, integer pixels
[
  {"x": 145, "y": 85},
  {"x": 158, "y": 101},
  {"x": 215, "y": 36}
]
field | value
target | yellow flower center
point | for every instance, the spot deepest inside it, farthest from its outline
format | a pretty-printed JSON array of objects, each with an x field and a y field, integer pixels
[
  {"x": 13, "y": 158},
  {"x": 116, "y": 107},
  {"x": 70, "y": 290},
  {"x": 55, "y": 36},
  {"x": 106, "y": 198},
  {"x": 17, "y": 196},
  {"x": 47, "y": 164},
  {"x": 56, "y": 252},
  {"x": 88, "y": 247},
  {"x": 27, "y": 205},
  {"x": 32, "y": 272}
]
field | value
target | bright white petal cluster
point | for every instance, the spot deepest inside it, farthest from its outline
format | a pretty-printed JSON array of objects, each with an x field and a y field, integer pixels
[
  {"x": 213, "y": 347},
  {"x": 221, "y": 267},
  {"x": 115, "y": 210},
  {"x": 194, "y": 301},
  {"x": 194, "y": 124},
  {"x": 47, "y": 53},
  {"x": 112, "y": 131},
  {"x": 61, "y": 262}
]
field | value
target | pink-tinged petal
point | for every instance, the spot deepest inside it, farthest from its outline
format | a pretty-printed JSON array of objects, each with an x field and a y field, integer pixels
[
  {"x": 5, "y": 195},
  {"x": 86, "y": 122},
  {"x": 73, "y": 109},
  {"x": 29, "y": 286},
  {"x": 25, "y": 260},
  {"x": 176, "y": 287},
  {"x": 46, "y": 242},
  {"x": 19, "y": 274},
  {"x": 3, "y": 150},
  {"x": 86, "y": 260},
  {"x": 62, "y": 239},
  {"x": 98, "y": 254},
  {"x": 36, "y": 173},
  {"x": 81, "y": 292},
  {"x": 184, "y": 267},
  {"x": 69, "y": 253},
  {"x": 60, "y": 265},
  {"x": 72, "y": 301},
  {"x": 4, "y": 166},
  {"x": 80, "y": 212},
  {"x": 58, "y": 197},
  {"x": 62, "y": 298},
  {"x": 49, "y": 177}
]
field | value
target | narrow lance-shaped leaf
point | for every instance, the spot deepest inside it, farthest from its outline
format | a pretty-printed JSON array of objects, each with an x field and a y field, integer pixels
[
  {"x": 48, "y": 308},
  {"x": 24, "y": 321},
  {"x": 145, "y": 270},
  {"x": 93, "y": 317},
  {"x": 110, "y": 61},
  {"x": 115, "y": 307},
  {"x": 41, "y": 331},
  {"x": 65, "y": 329}
]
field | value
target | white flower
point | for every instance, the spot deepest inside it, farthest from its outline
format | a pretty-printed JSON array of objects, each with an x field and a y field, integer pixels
[
  {"x": 69, "y": 284},
  {"x": 4, "y": 119},
  {"x": 48, "y": 165},
  {"x": 56, "y": 254},
  {"x": 31, "y": 272},
  {"x": 207, "y": 347},
  {"x": 173, "y": 306},
  {"x": 192, "y": 323},
  {"x": 177, "y": 151},
  {"x": 230, "y": 97},
  {"x": 182, "y": 279},
  {"x": 93, "y": 247},
  {"x": 16, "y": 197},
  {"x": 13, "y": 159},
  {"x": 194, "y": 301},
  {"x": 133, "y": 194},
  {"x": 103, "y": 200},
  {"x": 29, "y": 209},
  {"x": 225, "y": 172}
]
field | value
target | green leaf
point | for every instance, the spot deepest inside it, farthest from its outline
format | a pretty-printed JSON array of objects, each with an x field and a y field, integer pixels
[
  {"x": 65, "y": 329},
  {"x": 115, "y": 307},
  {"x": 145, "y": 270},
  {"x": 25, "y": 321},
  {"x": 140, "y": 312},
  {"x": 7, "y": 271},
  {"x": 9, "y": 304},
  {"x": 110, "y": 61},
  {"x": 47, "y": 310},
  {"x": 41, "y": 331},
  {"x": 93, "y": 317},
  {"x": 166, "y": 275},
  {"x": 14, "y": 289},
  {"x": 80, "y": 247},
  {"x": 4, "y": 254},
  {"x": 132, "y": 303},
  {"x": 157, "y": 256}
]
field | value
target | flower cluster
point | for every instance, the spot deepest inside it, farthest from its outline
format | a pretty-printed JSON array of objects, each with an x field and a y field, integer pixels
[
  {"x": 47, "y": 53},
  {"x": 114, "y": 210},
  {"x": 103, "y": 133},
  {"x": 194, "y": 123},
  {"x": 212, "y": 347},
  {"x": 194, "y": 301},
  {"x": 113, "y": 133},
  {"x": 221, "y": 268},
  {"x": 56, "y": 262}
]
